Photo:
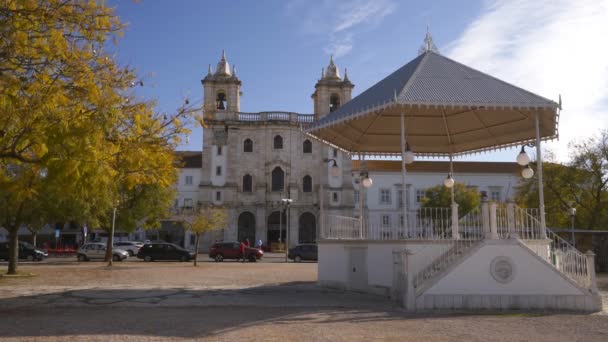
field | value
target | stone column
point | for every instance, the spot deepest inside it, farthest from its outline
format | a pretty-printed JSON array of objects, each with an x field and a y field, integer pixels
[
  {"x": 493, "y": 222},
  {"x": 485, "y": 218},
  {"x": 511, "y": 220},
  {"x": 591, "y": 271},
  {"x": 409, "y": 301}
]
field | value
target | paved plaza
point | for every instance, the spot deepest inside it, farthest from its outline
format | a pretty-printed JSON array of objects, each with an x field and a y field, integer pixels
[{"x": 270, "y": 301}]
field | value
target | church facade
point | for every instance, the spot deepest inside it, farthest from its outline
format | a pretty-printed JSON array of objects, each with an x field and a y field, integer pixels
[{"x": 253, "y": 163}]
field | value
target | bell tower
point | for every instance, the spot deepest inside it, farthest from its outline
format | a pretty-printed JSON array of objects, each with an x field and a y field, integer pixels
[
  {"x": 331, "y": 91},
  {"x": 222, "y": 89}
]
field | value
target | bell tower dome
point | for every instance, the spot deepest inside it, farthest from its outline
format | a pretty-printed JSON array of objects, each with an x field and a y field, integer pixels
[
  {"x": 331, "y": 91},
  {"x": 222, "y": 89}
]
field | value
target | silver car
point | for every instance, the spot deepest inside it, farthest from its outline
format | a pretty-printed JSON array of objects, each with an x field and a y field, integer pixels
[
  {"x": 132, "y": 247},
  {"x": 98, "y": 251}
]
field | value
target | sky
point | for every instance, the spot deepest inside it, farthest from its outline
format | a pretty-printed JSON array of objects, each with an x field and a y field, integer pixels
[{"x": 552, "y": 48}]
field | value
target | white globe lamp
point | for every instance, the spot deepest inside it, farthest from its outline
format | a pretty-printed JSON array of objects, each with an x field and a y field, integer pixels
[
  {"x": 523, "y": 158},
  {"x": 527, "y": 172},
  {"x": 448, "y": 181},
  {"x": 367, "y": 182},
  {"x": 409, "y": 156}
]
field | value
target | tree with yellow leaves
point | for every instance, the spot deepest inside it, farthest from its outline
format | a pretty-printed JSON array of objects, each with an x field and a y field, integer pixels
[
  {"x": 206, "y": 220},
  {"x": 74, "y": 139}
]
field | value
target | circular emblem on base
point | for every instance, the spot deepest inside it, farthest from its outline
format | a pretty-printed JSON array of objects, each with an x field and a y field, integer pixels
[{"x": 502, "y": 269}]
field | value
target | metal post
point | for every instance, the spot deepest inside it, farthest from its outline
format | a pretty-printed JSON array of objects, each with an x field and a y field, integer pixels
[
  {"x": 539, "y": 170},
  {"x": 403, "y": 179},
  {"x": 361, "y": 222},
  {"x": 455, "y": 233},
  {"x": 287, "y": 236},
  {"x": 572, "y": 230},
  {"x": 452, "y": 174},
  {"x": 321, "y": 214},
  {"x": 111, "y": 244},
  {"x": 280, "y": 223}
]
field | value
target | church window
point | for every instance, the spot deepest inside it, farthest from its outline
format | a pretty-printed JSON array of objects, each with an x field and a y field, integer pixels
[
  {"x": 218, "y": 196},
  {"x": 334, "y": 102},
  {"x": 219, "y": 150},
  {"x": 307, "y": 184},
  {"x": 221, "y": 101},
  {"x": 278, "y": 142},
  {"x": 218, "y": 170},
  {"x": 307, "y": 146},
  {"x": 335, "y": 153},
  {"x": 247, "y": 183},
  {"x": 248, "y": 145},
  {"x": 278, "y": 178}
]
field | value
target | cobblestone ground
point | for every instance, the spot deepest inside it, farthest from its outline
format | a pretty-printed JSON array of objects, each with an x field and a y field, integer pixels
[{"x": 138, "y": 301}]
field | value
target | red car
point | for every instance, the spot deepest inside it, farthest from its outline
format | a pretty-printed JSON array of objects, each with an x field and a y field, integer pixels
[{"x": 232, "y": 250}]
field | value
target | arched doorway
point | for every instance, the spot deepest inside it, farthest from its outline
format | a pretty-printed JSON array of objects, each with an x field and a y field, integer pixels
[
  {"x": 307, "y": 232},
  {"x": 246, "y": 227},
  {"x": 274, "y": 232}
]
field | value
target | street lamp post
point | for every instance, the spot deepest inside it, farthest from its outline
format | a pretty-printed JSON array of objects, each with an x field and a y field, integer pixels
[
  {"x": 572, "y": 212},
  {"x": 111, "y": 237},
  {"x": 286, "y": 202}
]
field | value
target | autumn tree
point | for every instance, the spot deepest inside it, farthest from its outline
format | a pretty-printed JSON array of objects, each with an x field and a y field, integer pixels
[
  {"x": 74, "y": 138},
  {"x": 440, "y": 197},
  {"x": 582, "y": 182},
  {"x": 206, "y": 220}
]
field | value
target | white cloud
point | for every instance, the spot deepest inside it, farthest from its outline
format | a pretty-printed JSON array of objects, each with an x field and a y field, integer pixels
[
  {"x": 338, "y": 21},
  {"x": 548, "y": 47}
]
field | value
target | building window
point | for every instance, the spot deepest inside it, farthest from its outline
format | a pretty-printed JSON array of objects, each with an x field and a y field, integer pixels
[
  {"x": 307, "y": 184},
  {"x": 335, "y": 153},
  {"x": 307, "y": 146},
  {"x": 221, "y": 102},
  {"x": 496, "y": 194},
  {"x": 401, "y": 220},
  {"x": 386, "y": 220},
  {"x": 219, "y": 150},
  {"x": 356, "y": 195},
  {"x": 278, "y": 178},
  {"x": 278, "y": 142},
  {"x": 188, "y": 180},
  {"x": 334, "y": 102},
  {"x": 247, "y": 183},
  {"x": 248, "y": 145},
  {"x": 400, "y": 197},
  {"x": 218, "y": 170},
  {"x": 420, "y": 195},
  {"x": 218, "y": 195},
  {"x": 385, "y": 196},
  {"x": 188, "y": 203},
  {"x": 334, "y": 197}
]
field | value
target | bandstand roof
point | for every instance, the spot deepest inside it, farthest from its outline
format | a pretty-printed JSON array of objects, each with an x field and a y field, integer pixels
[{"x": 449, "y": 108}]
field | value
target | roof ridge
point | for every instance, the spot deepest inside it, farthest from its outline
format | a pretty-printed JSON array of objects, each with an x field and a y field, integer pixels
[
  {"x": 409, "y": 82},
  {"x": 466, "y": 67}
]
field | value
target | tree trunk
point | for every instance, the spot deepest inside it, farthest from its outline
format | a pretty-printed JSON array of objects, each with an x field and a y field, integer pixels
[
  {"x": 109, "y": 246},
  {"x": 198, "y": 237},
  {"x": 34, "y": 238},
  {"x": 13, "y": 249}
]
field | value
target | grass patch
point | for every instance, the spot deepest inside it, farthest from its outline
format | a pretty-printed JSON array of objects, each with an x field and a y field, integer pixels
[{"x": 18, "y": 275}]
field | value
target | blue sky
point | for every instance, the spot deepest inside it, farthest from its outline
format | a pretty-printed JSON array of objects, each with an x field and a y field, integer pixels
[{"x": 279, "y": 48}]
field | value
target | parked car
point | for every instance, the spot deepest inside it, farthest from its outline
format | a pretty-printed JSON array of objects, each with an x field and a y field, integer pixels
[
  {"x": 132, "y": 247},
  {"x": 232, "y": 250},
  {"x": 164, "y": 251},
  {"x": 303, "y": 252},
  {"x": 26, "y": 251},
  {"x": 97, "y": 250}
]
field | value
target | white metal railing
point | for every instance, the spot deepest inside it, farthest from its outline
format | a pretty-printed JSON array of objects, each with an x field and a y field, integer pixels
[
  {"x": 449, "y": 253},
  {"x": 470, "y": 226},
  {"x": 568, "y": 260},
  {"x": 341, "y": 227},
  {"x": 527, "y": 223}
]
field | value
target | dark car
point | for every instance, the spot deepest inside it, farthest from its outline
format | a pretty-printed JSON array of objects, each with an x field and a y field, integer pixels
[
  {"x": 303, "y": 252},
  {"x": 232, "y": 250},
  {"x": 26, "y": 251},
  {"x": 164, "y": 251}
]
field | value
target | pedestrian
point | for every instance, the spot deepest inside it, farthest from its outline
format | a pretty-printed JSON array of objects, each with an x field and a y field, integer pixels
[
  {"x": 242, "y": 252},
  {"x": 247, "y": 243},
  {"x": 260, "y": 243}
]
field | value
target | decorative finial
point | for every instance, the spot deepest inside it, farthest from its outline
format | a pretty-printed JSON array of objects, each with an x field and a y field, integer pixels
[
  {"x": 395, "y": 95},
  {"x": 346, "y": 75},
  {"x": 331, "y": 59},
  {"x": 234, "y": 70},
  {"x": 322, "y": 72},
  {"x": 209, "y": 72},
  {"x": 428, "y": 43},
  {"x": 332, "y": 70},
  {"x": 223, "y": 54}
]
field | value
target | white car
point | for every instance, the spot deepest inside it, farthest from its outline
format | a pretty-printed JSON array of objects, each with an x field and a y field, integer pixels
[
  {"x": 97, "y": 250},
  {"x": 132, "y": 247}
]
